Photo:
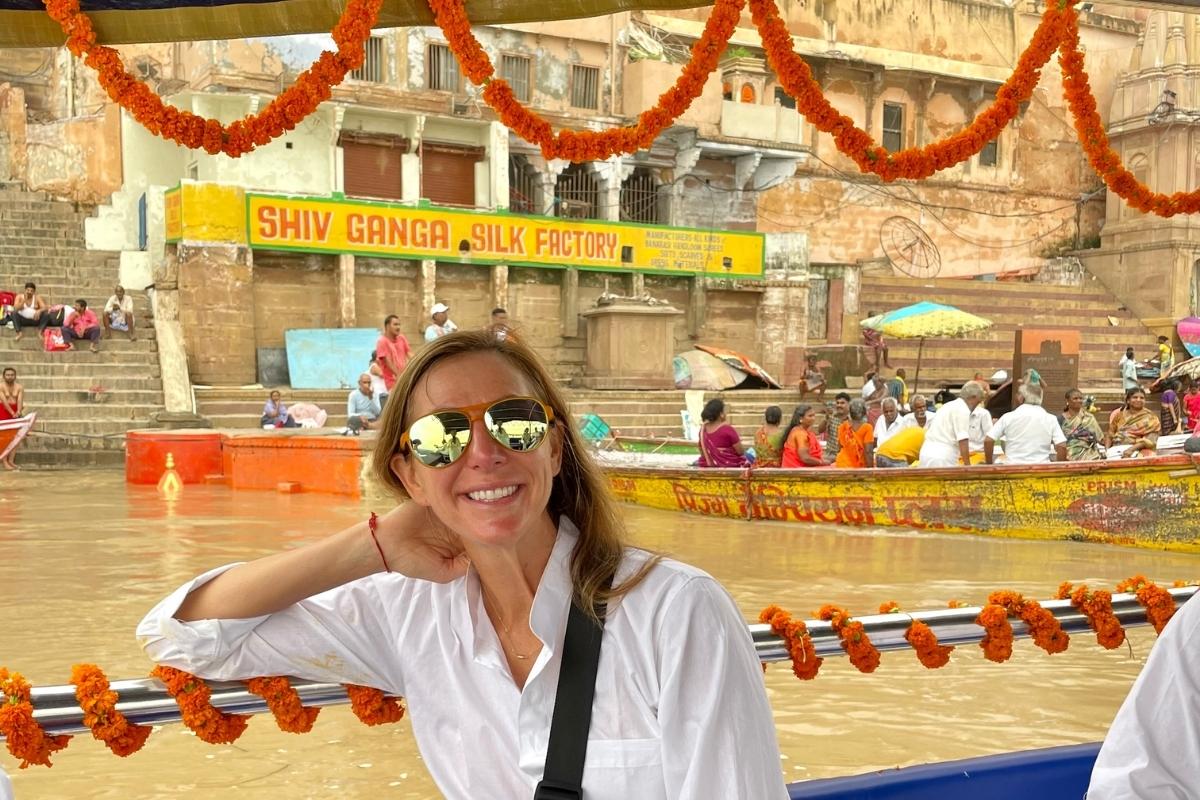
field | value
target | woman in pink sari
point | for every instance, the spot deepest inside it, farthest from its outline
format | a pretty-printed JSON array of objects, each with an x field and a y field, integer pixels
[{"x": 720, "y": 445}]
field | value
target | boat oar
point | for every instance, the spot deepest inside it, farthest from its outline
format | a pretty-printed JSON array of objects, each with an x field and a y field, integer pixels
[{"x": 144, "y": 701}]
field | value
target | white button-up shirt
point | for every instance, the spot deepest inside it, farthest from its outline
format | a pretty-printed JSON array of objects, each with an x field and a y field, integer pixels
[
  {"x": 679, "y": 712},
  {"x": 1029, "y": 433},
  {"x": 1153, "y": 747},
  {"x": 883, "y": 431}
]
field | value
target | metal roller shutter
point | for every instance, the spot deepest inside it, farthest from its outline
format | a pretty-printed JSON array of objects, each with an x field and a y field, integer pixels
[
  {"x": 448, "y": 173},
  {"x": 371, "y": 170}
]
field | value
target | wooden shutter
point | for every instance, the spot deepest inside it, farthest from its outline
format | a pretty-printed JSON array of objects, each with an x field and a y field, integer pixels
[
  {"x": 448, "y": 173},
  {"x": 371, "y": 169}
]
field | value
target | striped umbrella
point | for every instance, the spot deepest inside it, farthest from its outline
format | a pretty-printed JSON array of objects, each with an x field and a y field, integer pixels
[{"x": 923, "y": 321}]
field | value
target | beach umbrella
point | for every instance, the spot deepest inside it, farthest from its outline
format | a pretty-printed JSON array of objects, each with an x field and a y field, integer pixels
[
  {"x": 923, "y": 321},
  {"x": 1184, "y": 369}
]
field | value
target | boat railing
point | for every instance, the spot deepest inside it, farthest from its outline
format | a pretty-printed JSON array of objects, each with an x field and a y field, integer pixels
[{"x": 145, "y": 700}]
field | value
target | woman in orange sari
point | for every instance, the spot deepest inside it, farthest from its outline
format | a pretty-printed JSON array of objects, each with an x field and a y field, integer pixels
[
  {"x": 768, "y": 442},
  {"x": 801, "y": 447},
  {"x": 857, "y": 438}
]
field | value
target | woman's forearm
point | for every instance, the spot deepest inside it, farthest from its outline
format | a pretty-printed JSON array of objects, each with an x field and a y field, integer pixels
[{"x": 277, "y": 581}]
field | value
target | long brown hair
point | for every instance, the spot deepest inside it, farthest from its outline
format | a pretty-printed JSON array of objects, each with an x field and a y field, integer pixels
[{"x": 579, "y": 491}]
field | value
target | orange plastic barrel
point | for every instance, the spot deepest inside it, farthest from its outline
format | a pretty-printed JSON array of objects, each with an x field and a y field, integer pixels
[{"x": 197, "y": 455}]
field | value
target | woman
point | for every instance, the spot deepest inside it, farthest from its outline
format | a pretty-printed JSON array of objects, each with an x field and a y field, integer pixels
[
  {"x": 1081, "y": 429},
  {"x": 801, "y": 447},
  {"x": 1134, "y": 426},
  {"x": 1191, "y": 402},
  {"x": 275, "y": 413},
  {"x": 1170, "y": 414},
  {"x": 768, "y": 441},
  {"x": 457, "y": 599},
  {"x": 720, "y": 445},
  {"x": 856, "y": 437}
]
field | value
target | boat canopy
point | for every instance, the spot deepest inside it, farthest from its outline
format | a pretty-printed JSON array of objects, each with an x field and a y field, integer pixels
[{"x": 24, "y": 23}]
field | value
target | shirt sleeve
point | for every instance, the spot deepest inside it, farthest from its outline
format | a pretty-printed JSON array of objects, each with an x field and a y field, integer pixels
[
  {"x": 961, "y": 424},
  {"x": 430, "y": 333},
  {"x": 350, "y": 405},
  {"x": 1153, "y": 746},
  {"x": 341, "y": 635},
  {"x": 996, "y": 432},
  {"x": 1056, "y": 434},
  {"x": 718, "y": 733}
]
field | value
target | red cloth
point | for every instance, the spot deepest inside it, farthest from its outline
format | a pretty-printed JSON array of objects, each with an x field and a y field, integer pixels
[
  {"x": 5, "y": 414},
  {"x": 1192, "y": 402},
  {"x": 398, "y": 351},
  {"x": 7, "y": 298}
]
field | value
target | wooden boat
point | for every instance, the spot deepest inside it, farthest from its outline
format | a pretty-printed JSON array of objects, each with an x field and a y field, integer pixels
[
  {"x": 656, "y": 444},
  {"x": 1145, "y": 502},
  {"x": 12, "y": 431}
]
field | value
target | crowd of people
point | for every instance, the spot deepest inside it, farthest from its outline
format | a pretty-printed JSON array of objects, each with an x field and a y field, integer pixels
[{"x": 61, "y": 326}]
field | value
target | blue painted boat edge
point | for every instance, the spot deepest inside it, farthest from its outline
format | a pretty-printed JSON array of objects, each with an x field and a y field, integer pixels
[{"x": 1052, "y": 773}]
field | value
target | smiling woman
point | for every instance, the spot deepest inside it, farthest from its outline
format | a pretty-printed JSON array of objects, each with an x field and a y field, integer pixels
[{"x": 507, "y": 532}]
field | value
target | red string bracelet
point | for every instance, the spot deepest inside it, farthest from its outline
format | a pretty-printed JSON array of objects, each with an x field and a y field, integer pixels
[{"x": 372, "y": 526}]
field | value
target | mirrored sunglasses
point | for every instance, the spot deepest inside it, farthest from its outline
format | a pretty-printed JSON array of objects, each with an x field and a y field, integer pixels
[{"x": 439, "y": 439}]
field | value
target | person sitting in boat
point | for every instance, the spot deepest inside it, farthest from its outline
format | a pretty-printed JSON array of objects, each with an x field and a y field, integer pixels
[
  {"x": 841, "y": 413},
  {"x": 981, "y": 423},
  {"x": 1153, "y": 745},
  {"x": 1170, "y": 414},
  {"x": 889, "y": 422},
  {"x": 1191, "y": 404},
  {"x": 1134, "y": 426},
  {"x": 901, "y": 450},
  {"x": 801, "y": 447},
  {"x": 921, "y": 414},
  {"x": 947, "y": 438},
  {"x": 768, "y": 441},
  {"x": 720, "y": 445},
  {"x": 1031, "y": 435},
  {"x": 1081, "y": 429},
  {"x": 458, "y": 598},
  {"x": 856, "y": 439},
  {"x": 813, "y": 380}
]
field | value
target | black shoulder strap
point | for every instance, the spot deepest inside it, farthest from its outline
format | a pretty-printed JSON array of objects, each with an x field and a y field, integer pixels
[{"x": 562, "y": 778}]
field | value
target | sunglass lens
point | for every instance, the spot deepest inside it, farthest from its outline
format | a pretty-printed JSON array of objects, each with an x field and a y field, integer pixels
[
  {"x": 518, "y": 424},
  {"x": 439, "y": 439}
]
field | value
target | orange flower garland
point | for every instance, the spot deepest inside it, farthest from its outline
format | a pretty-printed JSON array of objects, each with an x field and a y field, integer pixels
[
  {"x": 923, "y": 640},
  {"x": 1044, "y": 627},
  {"x": 192, "y": 695},
  {"x": 997, "y": 642},
  {"x": 23, "y": 736},
  {"x": 794, "y": 633},
  {"x": 99, "y": 704},
  {"x": 373, "y": 707},
  {"x": 1097, "y": 608},
  {"x": 855, "y": 641},
  {"x": 290, "y": 715},
  {"x": 1158, "y": 602},
  {"x": 282, "y": 114},
  {"x": 452, "y": 18}
]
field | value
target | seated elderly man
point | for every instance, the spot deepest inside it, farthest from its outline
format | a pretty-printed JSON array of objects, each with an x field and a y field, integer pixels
[
  {"x": 1030, "y": 433},
  {"x": 362, "y": 407},
  {"x": 947, "y": 439},
  {"x": 921, "y": 414},
  {"x": 889, "y": 422}
]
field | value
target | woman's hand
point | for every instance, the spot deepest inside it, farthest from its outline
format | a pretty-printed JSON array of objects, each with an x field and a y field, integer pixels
[{"x": 419, "y": 545}]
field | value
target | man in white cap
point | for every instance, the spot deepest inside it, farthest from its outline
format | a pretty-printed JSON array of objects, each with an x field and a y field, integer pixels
[{"x": 442, "y": 324}]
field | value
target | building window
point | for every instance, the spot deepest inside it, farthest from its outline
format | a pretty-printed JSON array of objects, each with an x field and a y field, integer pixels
[
  {"x": 576, "y": 195},
  {"x": 639, "y": 198},
  {"x": 893, "y": 127},
  {"x": 524, "y": 186},
  {"x": 441, "y": 69},
  {"x": 372, "y": 66},
  {"x": 783, "y": 98},
  {"x": 515, "y": 70},
  {"x": 585, "y": 87},
  {"x": 989, "y": 156}
]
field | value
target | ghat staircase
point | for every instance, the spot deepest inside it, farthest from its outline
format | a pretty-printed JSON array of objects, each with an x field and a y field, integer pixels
[{"x": 41, "y": 239}]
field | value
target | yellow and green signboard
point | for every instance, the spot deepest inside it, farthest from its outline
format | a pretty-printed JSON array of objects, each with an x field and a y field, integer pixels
[{"x": 207, "y": 212}]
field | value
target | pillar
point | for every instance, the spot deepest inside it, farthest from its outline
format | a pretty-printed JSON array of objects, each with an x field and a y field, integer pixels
[
  {"x": 427, "y": 289},
  {"x": 697, "y": 306},
  {"x": 499, "y": 286},
  {"x": 347, "y": 307},
  {"x": 570, "y": 302}
]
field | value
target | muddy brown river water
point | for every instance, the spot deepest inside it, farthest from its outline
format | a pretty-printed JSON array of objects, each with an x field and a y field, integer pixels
[{"x": 83, "y": 557}]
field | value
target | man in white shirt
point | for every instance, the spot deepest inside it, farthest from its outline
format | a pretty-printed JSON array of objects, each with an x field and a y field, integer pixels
[
  {"x": 1153, "y": 746},
  {"x": 118, "y": 313},
  {"x": 921, "y": 416},
  {"x": 1128, "y": 367},
  {"x": 981, "y": 423},
  {"x": 947, "y": 438},
  {"x": 889, "y": 421},
  {"x": 442, "y": 324},
  {"x": 1030, "y": 433}
]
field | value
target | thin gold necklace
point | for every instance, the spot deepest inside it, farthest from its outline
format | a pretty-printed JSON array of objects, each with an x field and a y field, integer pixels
[{"x": 507, "y": 627}]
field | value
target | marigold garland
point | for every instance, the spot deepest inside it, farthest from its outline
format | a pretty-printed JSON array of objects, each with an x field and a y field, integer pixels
[
  {"x": 1158, "y": 602},
  {"x": 373, "y": 707},
  {"x": 997, "y": 642},
  {"x": 99, "y": 704},
  {"x": 284, "y": 702},
  {"x": 314, "y": 85},
  {"x": 1044, "y": 628},
  {"x": 796, "y": 638},
  {"x": 23, "y": 736},
  {"x": 855, "y": 641},
  {"x": 193, "y": 698},
  {"x": 922, "y": 638},
  {"x": 1096, "y": 607}
]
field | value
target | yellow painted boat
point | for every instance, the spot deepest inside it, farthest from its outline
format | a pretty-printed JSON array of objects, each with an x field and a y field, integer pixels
[{"x": 1151, "y": 503}]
